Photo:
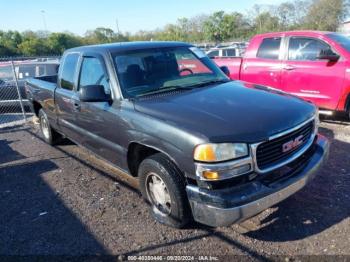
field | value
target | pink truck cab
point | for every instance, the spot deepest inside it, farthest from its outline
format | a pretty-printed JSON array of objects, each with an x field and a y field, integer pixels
[{"x": 310, "y": 64}]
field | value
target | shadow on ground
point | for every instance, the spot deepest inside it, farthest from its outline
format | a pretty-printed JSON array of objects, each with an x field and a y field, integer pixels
[{"x": 33, "y": 219}]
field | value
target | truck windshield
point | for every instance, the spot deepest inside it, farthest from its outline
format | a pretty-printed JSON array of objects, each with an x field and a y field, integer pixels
[
  {"x": 149, "y": 71},
  {"x": 340, "y": 39}
]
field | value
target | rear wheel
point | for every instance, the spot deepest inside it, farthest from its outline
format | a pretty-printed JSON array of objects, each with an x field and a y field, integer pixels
[
  {"x": 50, "y": 135},
  {"x": 163, "y": 186}
]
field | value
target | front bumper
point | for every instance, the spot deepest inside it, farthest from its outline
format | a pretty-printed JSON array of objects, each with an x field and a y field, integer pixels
[{"x": 227, "y": 206}]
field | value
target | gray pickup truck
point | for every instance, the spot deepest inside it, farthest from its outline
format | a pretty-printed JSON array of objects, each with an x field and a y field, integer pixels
[{"x": 202, "y": 147}]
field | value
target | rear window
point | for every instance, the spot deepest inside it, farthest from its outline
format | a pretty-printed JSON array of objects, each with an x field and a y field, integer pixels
[{"x": 269, "y": 48}]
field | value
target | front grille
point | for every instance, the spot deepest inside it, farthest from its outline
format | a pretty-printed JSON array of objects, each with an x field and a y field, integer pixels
[{"x": 271, "y": 153}]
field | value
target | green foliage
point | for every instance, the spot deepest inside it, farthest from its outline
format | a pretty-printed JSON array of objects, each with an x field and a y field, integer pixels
[
  {"x": 33, "y": 46},
  {"x": 326, "y": 14},
  {"x": 217, "y": 27},
  {"x": 103, "y": 35},
  {"x": 58, "y": 42}
]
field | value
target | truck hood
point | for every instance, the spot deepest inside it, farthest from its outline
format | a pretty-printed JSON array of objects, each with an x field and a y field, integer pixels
[{"x": 228, "y": 112}]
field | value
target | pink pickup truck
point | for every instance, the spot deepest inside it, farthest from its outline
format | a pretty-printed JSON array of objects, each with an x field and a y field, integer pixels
[{"x": 310, "y": 64}]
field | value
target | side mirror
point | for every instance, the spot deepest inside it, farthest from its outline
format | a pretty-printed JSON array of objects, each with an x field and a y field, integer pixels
[
  {"x": 328, "y": 55},
  {"x": 225, "y": 70},
  {"x": 93, "y": 93}
]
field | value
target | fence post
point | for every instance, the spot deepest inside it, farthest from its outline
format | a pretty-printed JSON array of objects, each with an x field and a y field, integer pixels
[{"x": 18, "y": 91}]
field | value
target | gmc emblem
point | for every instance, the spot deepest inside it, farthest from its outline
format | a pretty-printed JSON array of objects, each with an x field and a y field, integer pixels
[{"x": 292, "y": 144}]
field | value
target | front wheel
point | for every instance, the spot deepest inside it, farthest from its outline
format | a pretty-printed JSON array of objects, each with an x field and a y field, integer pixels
[
  {"x": 50, "y": 135},
  {"x": 163, "y": 186}
]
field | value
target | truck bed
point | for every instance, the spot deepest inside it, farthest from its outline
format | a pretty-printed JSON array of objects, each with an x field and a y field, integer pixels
[
  {"x": 233, "y": 64},
  {"x": 42, "y": 89}
]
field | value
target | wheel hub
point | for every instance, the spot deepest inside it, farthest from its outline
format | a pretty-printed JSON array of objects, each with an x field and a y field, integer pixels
[
  {"x": 44, "y": 127},
  {"x": 158, "y": 193}
]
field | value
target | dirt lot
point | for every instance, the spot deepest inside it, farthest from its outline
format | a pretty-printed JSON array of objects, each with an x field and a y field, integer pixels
[{"x": 62, "y": 201}]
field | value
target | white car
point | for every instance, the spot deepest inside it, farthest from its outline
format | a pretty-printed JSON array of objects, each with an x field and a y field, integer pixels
[{"x": 224, "y": 52}]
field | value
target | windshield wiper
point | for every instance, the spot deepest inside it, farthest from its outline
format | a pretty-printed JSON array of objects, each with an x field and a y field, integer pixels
[
  {"x": 217, "y": 81},
  {"x": 166, "y": 89}
]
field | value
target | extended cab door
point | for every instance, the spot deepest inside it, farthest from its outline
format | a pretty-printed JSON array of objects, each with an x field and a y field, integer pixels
[
  {"x": 315, "y": 80},
  {"x": 66, "y": 100},
  {"x": 98, "y": 122},
  {"x": 264, "y": 65}
]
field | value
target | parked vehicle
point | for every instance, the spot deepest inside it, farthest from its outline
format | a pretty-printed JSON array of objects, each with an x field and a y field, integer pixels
[
  {"x": 24, "y": 70},
  {"x": 241, "y": 46},
  {"x": 202, "y": 146},
  {"x": 224, "y": 52},
  {"x": 312, "y": 65}
]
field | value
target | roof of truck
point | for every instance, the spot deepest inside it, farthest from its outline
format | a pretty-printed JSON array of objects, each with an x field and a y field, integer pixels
[
  {"x": 126, "y": 46},
  {"x": 295, "y": 32}
]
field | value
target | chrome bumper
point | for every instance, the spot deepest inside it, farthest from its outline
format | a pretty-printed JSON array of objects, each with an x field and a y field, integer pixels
[{"x": 223, "y": 209}]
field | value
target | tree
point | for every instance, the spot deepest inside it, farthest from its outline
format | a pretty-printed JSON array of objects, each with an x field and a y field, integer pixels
[
  {"x": 326, "y": 15},
  {"x": 103, "y": 35},
  {"x": 292, "y": 14},
  {"x": 33, "y": 47},
  {"x": 58, "y": 42},
  {"x": 8, "y": 42},
  {"x": 263, "y": 20}
]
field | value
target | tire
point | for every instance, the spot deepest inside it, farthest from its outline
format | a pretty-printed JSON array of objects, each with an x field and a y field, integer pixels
[
  {"x": 49, "y": 134},
  {"x": 163, "y": 187}
]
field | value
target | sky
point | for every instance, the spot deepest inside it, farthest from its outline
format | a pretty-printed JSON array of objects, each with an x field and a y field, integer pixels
[{"x": 78, "y": 16}]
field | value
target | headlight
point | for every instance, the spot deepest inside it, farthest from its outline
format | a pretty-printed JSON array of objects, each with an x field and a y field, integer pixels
[{"x": 220, "y": 152}]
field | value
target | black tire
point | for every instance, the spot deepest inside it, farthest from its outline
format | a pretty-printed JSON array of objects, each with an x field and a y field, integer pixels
[
  {"x": 49, "y": 134},
  {"x": 160, "y": 166}
]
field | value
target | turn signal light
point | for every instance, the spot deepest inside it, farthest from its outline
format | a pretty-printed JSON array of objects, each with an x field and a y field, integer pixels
[
  {"x": 210, "y": 175},
  {"x": 205, "y": 153}
]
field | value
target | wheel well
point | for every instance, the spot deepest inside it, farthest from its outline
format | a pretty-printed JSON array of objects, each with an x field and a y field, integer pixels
[
  {"x": 136, "y": 154},
  {"x": 36, "y": 107},
  {"x": 347, "y": 103}
]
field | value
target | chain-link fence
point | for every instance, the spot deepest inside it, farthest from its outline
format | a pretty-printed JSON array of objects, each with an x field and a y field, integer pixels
[{"x": 14, "y": 72}]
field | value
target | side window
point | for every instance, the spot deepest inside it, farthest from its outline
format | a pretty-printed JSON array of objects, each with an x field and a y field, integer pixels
[
  {"x": 305, "y": 49},
  {"x": 213, "y": 53},
  {"x": 230, "y": 52},
  {"x": 269, "y": 48},
  {"x": 92, "y": 73},
  {"x": 68, "y": 71}
]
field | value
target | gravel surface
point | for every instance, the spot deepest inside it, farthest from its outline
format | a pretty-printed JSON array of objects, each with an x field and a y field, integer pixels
[{"x": 63, "y": 201}]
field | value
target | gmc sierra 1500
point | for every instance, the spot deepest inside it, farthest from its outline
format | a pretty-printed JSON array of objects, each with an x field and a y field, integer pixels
[{"x": 203, "y": 147}]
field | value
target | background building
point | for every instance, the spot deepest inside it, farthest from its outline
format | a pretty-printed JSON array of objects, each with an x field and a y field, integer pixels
[{"x": 345, "y": 28}]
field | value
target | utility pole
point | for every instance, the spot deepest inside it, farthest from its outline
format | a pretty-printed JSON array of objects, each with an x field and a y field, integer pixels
[
  {"x": 117, "y": 26},
  {"x": 44, "y": 19}
]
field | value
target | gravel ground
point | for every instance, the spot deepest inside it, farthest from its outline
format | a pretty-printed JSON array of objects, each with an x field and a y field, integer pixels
[{"x": 63, "y": 201}]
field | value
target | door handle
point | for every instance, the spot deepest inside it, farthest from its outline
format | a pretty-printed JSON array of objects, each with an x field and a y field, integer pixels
[
  {"x": 288, "y": 67},
  {"x": 76, "y": 105}
]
